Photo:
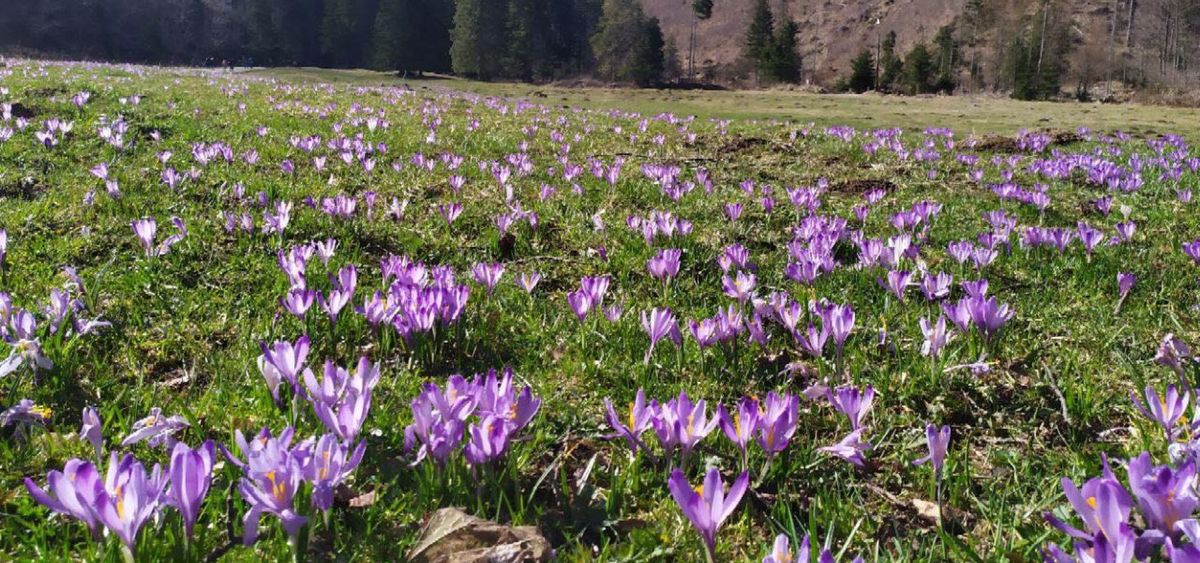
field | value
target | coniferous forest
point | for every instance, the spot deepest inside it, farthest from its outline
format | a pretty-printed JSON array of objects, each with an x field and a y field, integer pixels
[{"x": 1046, "y": 49}]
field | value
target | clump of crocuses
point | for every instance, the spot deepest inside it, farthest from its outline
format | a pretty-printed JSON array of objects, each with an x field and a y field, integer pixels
[
  {"x": 128, "y": 497},
  {"x": 486, "y": 413}
]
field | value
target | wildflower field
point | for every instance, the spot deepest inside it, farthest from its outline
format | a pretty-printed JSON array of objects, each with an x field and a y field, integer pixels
[{"x": 255, "y": 318}]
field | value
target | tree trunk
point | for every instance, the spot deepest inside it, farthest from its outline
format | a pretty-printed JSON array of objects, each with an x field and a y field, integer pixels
[
  {"x": 1112, "y": 37},
  {"x": 1042, "y": 41},
  {"x": 1129, "y": 24}
]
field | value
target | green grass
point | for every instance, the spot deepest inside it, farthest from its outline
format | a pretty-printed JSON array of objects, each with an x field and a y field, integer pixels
[
  {"x": 964, "y": 114},
  {"x": 187, "y": 325}
]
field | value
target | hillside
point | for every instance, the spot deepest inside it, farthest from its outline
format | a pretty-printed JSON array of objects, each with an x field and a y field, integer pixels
[{"x": 833, "y": 31}]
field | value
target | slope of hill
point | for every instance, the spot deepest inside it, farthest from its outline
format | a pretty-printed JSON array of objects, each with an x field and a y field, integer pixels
[{"x": 833, "y": 31}]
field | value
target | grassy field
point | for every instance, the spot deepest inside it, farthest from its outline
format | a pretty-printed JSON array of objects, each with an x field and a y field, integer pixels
[
  {"x": 774, "y": 220},
  {"x": 963, "y": 114}
]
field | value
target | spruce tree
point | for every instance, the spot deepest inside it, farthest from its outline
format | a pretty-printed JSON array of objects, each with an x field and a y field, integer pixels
[
  {"x": 890, "y": 65},
  {"x": 672, "y": 70},
  {"x": 757, "y": 43},
  {"x": 390, "y": 36},
  {"x": 627, "y": 45},
  {"x": 785, "y": 59},
  {"x": 479, "y": 39},
  {"x": 946, "y": 60},
  {"x": 337, "y": 31},
  {"x": 862, "y": 72},
  {"x": 918, "y": 70}
]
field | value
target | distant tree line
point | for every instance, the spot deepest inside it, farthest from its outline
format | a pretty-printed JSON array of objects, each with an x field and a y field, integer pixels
[
  {"x": 1035, "y": 49},
  {"x": 771, "y": 47},
  {"x": 485, "y": 39}
]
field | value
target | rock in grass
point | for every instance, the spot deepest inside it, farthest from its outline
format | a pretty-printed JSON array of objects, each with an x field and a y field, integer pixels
[{"x": 453, "y": 536}]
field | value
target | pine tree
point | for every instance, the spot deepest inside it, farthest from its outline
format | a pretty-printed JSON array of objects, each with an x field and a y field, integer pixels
[
  {"x": 757, "y": 43},
  {"x": 862, "y": 72},
  {"x": 890, "y": 65},
  {"x": 479, "y": 38},
  {"x": 390, "y": 39},
  {"x": 649, "y": 60},
  {"x": 672, "y": 70},
  {"x": 337, "y": 32},
  {"x": 918, "y": 70},
  {"x": 945, "y": 59},
  {"x": 526, "y": 40},
  {"x": 1018, "y": 69},
  {"x": 785, "y": 58},
  {"x": 628, "y": 46}
]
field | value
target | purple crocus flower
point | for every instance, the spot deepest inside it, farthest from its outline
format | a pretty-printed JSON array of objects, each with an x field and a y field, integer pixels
[
  {"x": 580, "y": 303},
  {"x": 813, "y": 341},
  {"x": 936, "y": 286},
  {"x": 283, "y": 361},
  {"x": 343, "y": 400},
  {"x": 496, "y": 395},
  {"x": 330, "y": 464},
  {"x": 896, "y": 281},
  {"x": 1173, "y": 353},
  {"x": 853, "y": 403},
  {"x": 1090, "y": 237},
  {"x": 450, "y": 212},
  {"x": 298, "y": 301},
  {"x": 777, "y": 422},
  {"x": 158, "y": 429},
  {"x": 71, "y": 492},
  {"x": 528, "y": 281},
  {"x": 938, "y": 440},
  {"x": 975, "y": 288},
  {"x": 487, "y": 275},
  {"x": 129, "y": 497},
  {"x": 338, "y": 299},
  {"x": 638, "y": 419},
  {"x": 269, "y": 487},
  {"x": 22, "y": 336},
  {"x": 595, "y": 287},
  {"x": 438, "y": 423},
  {"x": 959, "y": 313},
  {"x": 660, "y": 323},
  {"x": 781, "y": 552},
  {"x": 936, "y": 336},
  {"x": 190, "y": 476},
  {"x": 739, "y": 286},
  {"x": 92, "y": 430},
  {"x": 1192, "y": 249},
  {"x": 988, "y": 315},
  {"x": 1125, "y": 282},
  {"x": 1168, "y": 409},
  {"x": 24, "y": 413},
  {"x": 850, "y": 448},
  {"x": 1126, "y": 230},
  {"x": 665, "y": 265},
  {"x": 839, "y": 321},
  {"x": 710, "y": 504},
  {"x": 487, "y": 441},
  {"x": 1103, "y": 505},
  {"x": 1166, "y": 496},
  {"x": 145, "y": 229},
  {"x": 740, "y": 426},
  {"x": 683, "y": 423},
  {"x": 325, "y": 249}
]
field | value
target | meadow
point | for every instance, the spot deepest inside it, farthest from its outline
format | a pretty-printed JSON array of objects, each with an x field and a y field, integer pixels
[{"x": 290, "y": 314}]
